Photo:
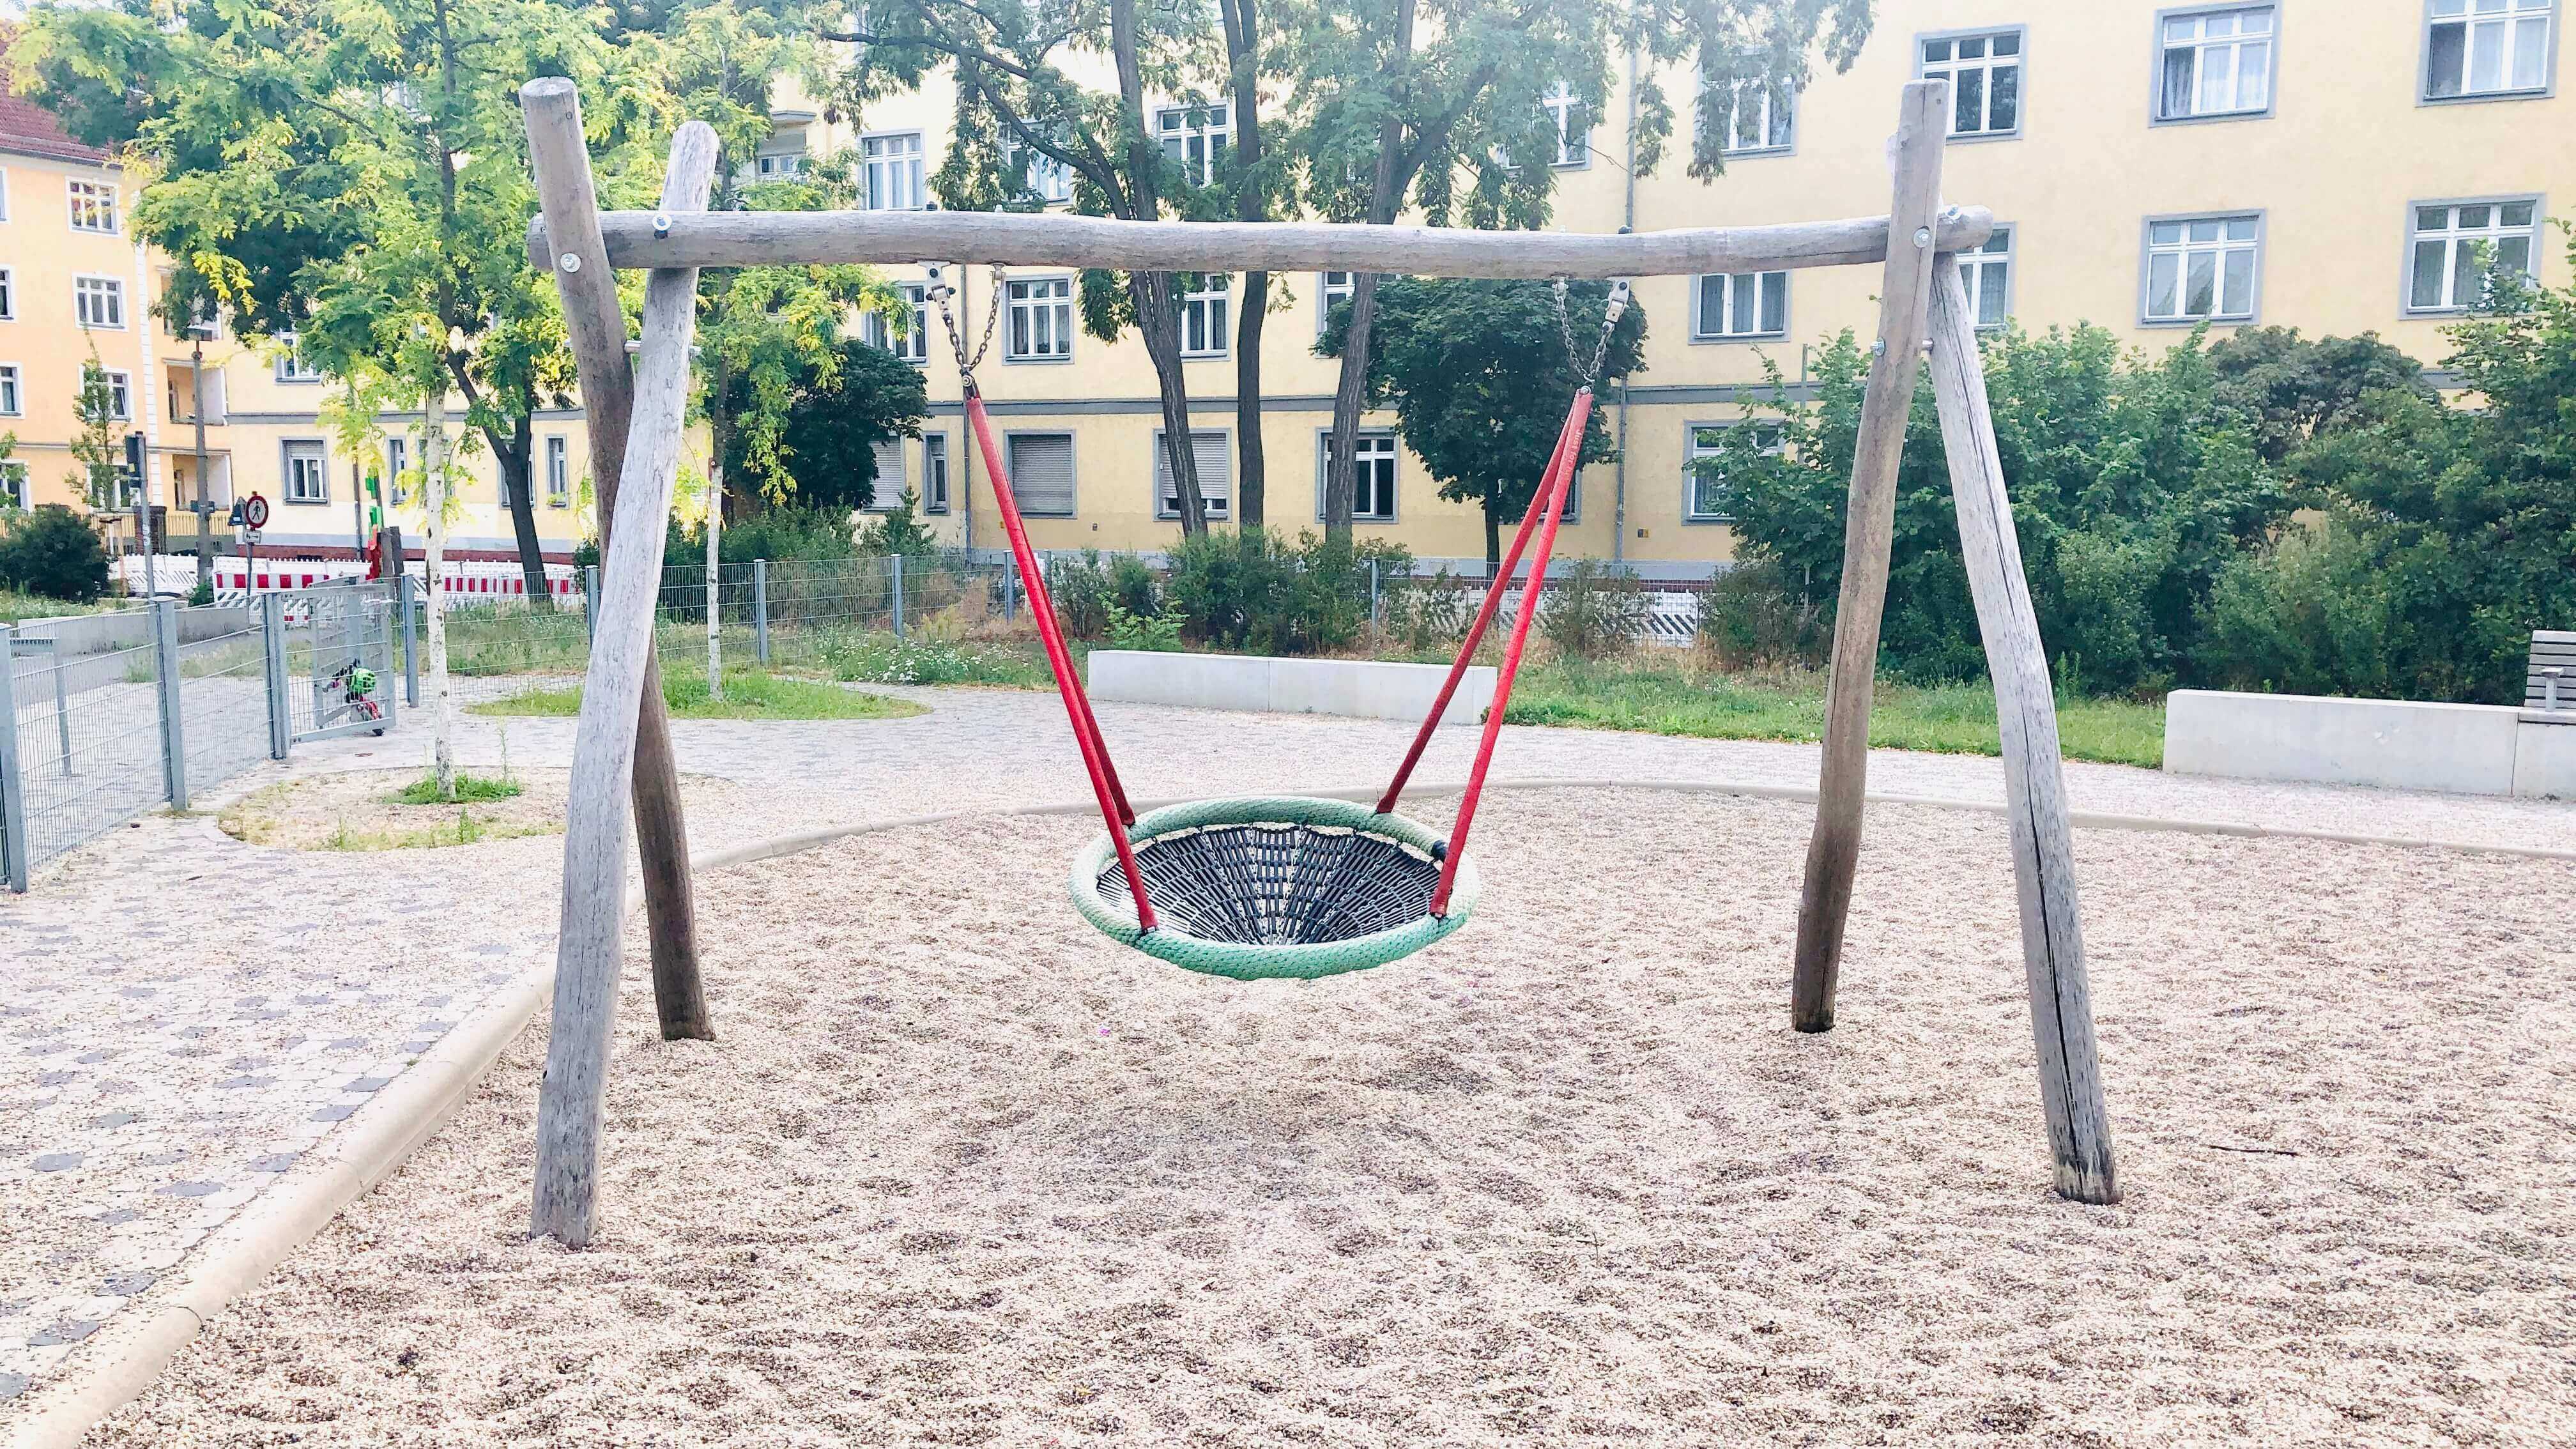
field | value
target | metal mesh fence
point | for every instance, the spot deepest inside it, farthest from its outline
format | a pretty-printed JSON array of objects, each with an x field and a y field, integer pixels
[{"x": 340, "y": 665}]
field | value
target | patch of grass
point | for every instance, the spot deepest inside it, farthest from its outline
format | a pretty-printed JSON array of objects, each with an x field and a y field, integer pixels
[
  {"x": 1675, "y": 699},
  {"x": 469, "y": 789},
  {"x": 751, "y": 694},
  {"x": 15, "y": 606},
  {"x": 463, "y": 830},
  {"x": 879, "y": 658}
]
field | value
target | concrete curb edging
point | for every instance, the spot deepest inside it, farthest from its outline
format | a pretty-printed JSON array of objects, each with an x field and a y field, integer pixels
[{"x": 385, "y": 1133}]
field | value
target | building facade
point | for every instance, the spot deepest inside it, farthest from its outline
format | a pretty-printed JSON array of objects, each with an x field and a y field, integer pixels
[{"x": 2336, "y": 165}]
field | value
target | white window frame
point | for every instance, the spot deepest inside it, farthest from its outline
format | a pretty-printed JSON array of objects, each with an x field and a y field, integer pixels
[
  {"x": 17, "y": 485},
  {"x": 779, "y": 164},
  {"x": 1693, "y": 450},
  {"x": 891, "y": 179},
  {"x": 913, "y": 344},
  {"x": 1731, "y": 301},
  {"x": 95, "y": 200},
  {"x": 2454, "y": 235},
  {"x": 1072, "y": 463},
  {"x": 8, "y": 294},
  {"x": 1989, "y": 269},
  {"x": 1196, "y": 136},
  {"x": 1372, "y": 444},
  {"x": 89, "y": 292},
  {"x": 1987, "y": 63},
  {"x": 2150, "y": 249},
  {"x": 397, "y": 460},
  {"x": 934, "y": 466},
  {"x": 1042, "y": 176},
  {"x": 2511, "y": 22},
  {"x": 1573, "y": 148},
  {"x": 558, "y": 471},
  {"x": 1773, "y": 96},
  {"x": 4, "y": 193},
  {"x": 1207, "y": 313},
  {"x": 1167, "y": 506},
  {"x": 120, "y": 393},
  {"x": 1021, "y": 300},
  {"x": 2202, "y": 46},
  {"x": 1328, "y": 291},
  {"x": 291, "y": 366},
  {"x": 13, "y": 391},
  {"x": 293, "y": 450}
]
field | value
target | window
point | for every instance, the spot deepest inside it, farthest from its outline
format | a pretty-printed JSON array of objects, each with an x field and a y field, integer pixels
[
  {"x": 1705, "y": 498},
  {"x": 1041, "y": 320},
  {"x": 1331, "y": 290},
  {"x": 934, "y": 472},
  {"x": 2486, "y": 48},
  {"x": 1041, "y": 467},
  {"x": 893, "y": 171},
  {"x": 1985, "y": 80},
  {"x": 1741, "y": 305},
  {"x": 1203, "y": 316},
  {"x": 558, "y": 472},
  {"x": 1573, "y": 122},
  {"x": 1758, "y": 113},
  {"x": 397, "y": 451},
  {"x": 1987, "y": 274},
  {"x": 120, "y": 394},
  {"x": 2202, "y": 268},
  {"x": 11, "y": 403},
  {"x": 14, "y": 489},
  {"x": 885, "y": 494},
  {"x": 2216, "y": 63},
  {"x": 8, "y": 294},
  {"x": 1042, "y": 178},
  {"x": 1372, "y": 478},
  {"x": 308, "y": 472},
  {"x": 780, "y": 165},
  {"x": 93, "y": 205},
  {"x": 1196, "y": 137},
  {"x": 912, "y": 344},
  {"x": 98, "y": 301},
  {"x": 2454, "y": 243},
  {"x": 1211, "y": 450},
  {"x": 291, "y": 363}
]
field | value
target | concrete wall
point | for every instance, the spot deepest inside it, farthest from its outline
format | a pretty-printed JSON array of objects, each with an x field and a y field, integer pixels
[
  {"x": 2471, "y": 749},
  {"x": 1356, "y": 687}
]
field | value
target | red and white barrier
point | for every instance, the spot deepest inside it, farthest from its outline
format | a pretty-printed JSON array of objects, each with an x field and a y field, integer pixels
[{"x": 464, "y": 582}]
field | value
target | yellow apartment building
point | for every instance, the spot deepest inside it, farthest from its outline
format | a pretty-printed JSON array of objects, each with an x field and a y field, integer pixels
[{"x": 2328, "y": 164}]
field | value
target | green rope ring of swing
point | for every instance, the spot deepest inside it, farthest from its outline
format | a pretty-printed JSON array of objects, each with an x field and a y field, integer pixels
[{"x": 1271, "y": 887}]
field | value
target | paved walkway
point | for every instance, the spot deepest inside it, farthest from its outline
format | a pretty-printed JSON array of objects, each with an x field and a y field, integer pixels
[{"x": 183, "y": 1015}]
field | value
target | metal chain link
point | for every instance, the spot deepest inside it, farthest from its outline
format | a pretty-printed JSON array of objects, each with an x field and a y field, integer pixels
[
  {"x": 1609, "y": 324},
  {"x": 939, "y": 292}
]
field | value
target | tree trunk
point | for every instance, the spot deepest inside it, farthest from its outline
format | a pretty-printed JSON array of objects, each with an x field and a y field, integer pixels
[
  {"x": 715, "y": 542},
  {"x": 1151, "y": 292},
  {"x": 1243, "y": 59},
  {"x": 1386, "y": 198},
  {"x": 433, "y": 573},
  {"x": 516, "y": 457},
  {"x": 1493, "y": 532}
]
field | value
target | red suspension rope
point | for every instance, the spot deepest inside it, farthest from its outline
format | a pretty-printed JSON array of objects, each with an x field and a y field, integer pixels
[
  {"x": 1574, "y": 425},
  {"x": 1568, "y": 436},
  {"x": 1114, "y": 812}
]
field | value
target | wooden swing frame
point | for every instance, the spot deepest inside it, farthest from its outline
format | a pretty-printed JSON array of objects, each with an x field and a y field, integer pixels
[{"x": 639, "y": 414}]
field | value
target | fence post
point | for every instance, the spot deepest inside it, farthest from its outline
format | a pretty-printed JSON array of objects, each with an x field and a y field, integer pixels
[
  {"x": 165, "y": 664},
  {"x": 1010, "y": 588},
  {"x": 411, "y": 642},
  {"x": 760, "y": 609},
  {"x": 385, "y": 687},
  {"x": 272, "y": 633},
  {"x": 1377, "y": 612},
  {"x": 896, "y": 561},
  {"x": 590, "y": 601},
  {"x": 62, "y": 707},
  {"x": 14, "y": 854}
]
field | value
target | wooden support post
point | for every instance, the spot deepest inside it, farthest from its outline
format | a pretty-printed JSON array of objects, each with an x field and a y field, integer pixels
[
  {"x": 596, "y": 325},
  {"x": 2043, "y": 846},
  {"x": 1833, "y": 852},
  {"x": 571, "y": 1101}
]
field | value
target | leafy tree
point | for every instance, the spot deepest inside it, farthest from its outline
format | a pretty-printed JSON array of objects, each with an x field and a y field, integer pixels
[
  {"x": 2288, "y": 389},
  {"x": 52, "y": 551},
  {"x": 834, "y": 421},
  {"x": 1480, "y": 379},
  {"x": 99, "y": 447},
  {"x": 900, "y": 531}
]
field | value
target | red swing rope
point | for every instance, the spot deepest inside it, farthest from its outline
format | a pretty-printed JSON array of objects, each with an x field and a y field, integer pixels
[{"x": 1105, "y": 787}]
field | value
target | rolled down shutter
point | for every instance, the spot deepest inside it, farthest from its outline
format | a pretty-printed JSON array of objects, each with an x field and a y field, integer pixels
[
  {"x": 889, "y": 484},
  {"x": 1216, "y": 474},
  {"x": 1042, "y": 473}
]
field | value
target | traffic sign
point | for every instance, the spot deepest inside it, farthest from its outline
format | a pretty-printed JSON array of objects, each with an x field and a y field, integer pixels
[
  {"x": 255, "y": 512},
  {"x": 235, "y": 520}
]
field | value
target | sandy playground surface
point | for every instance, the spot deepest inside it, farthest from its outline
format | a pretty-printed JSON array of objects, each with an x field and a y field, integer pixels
[
  {"x": 357, "y": 810},
  {"x": 961, "y": 1172}
]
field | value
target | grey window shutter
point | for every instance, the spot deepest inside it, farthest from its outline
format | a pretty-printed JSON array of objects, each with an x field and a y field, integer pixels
[
  {"x": 1042, "y": 473},
  {"x": 889, "y": 484},
  {"x": 1215, "y": 457}
]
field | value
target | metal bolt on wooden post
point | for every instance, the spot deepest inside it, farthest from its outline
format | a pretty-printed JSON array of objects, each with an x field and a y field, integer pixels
[{"x": 1833, "y": 852}]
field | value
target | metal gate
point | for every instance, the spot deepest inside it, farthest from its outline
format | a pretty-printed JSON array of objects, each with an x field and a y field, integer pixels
[{"x": 336, "y": 654}]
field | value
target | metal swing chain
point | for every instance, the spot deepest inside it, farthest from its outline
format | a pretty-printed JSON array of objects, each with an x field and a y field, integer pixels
[
  {"x": 939, "y": 292},
  {"x": 1609, "y": 323}
]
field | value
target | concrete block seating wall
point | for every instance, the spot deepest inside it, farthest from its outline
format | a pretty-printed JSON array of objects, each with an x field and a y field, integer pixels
[
  {"x": 2470, "y": 749},
  {"x": 1360, "y": 688}
]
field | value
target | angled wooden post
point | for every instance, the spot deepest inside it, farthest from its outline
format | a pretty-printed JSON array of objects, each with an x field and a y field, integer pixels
[
  {"x": 1833, "y": 852},
  {"x": 2043, "y": 845},
  {"x": 596, "y": 325},
  {"x": 571, "y": 1100}
]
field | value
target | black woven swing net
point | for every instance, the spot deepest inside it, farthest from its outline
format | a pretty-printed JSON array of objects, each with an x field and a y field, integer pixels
[{"x": 1271, "y": 883}]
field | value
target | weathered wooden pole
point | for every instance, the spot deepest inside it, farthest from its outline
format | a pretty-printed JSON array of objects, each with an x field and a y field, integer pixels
[
  {"x": 2043, "y": 845},
  {"x": 570, "y": 1102},
  {"x": 1833, "y": 852},
  {"x": 596, "y": 325}
]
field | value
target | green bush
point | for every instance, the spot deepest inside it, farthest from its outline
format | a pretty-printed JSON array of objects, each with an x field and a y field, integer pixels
[
  {"x": 1595, "y": 611},
  {"x": 789, "y": 533},
  {"x": 1079, "y": 587},
  {"x": 1160, "y": 633},
  {"x": 1749, "y": 615},
  {"x": 49, "y": 550},
  {"x": 1429, "y": 614},
  {"x": 1254, "y": 590}
]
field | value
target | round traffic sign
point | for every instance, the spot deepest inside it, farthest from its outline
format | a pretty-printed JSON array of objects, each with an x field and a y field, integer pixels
[{"x": 255, "y": 511}]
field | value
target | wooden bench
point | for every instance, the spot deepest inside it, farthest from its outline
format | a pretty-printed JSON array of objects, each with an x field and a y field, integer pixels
[{"x": 2549, "y": 689}]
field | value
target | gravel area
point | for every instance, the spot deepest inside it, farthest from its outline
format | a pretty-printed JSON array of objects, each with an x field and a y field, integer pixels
[{"x": 960, "y": 1171}]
